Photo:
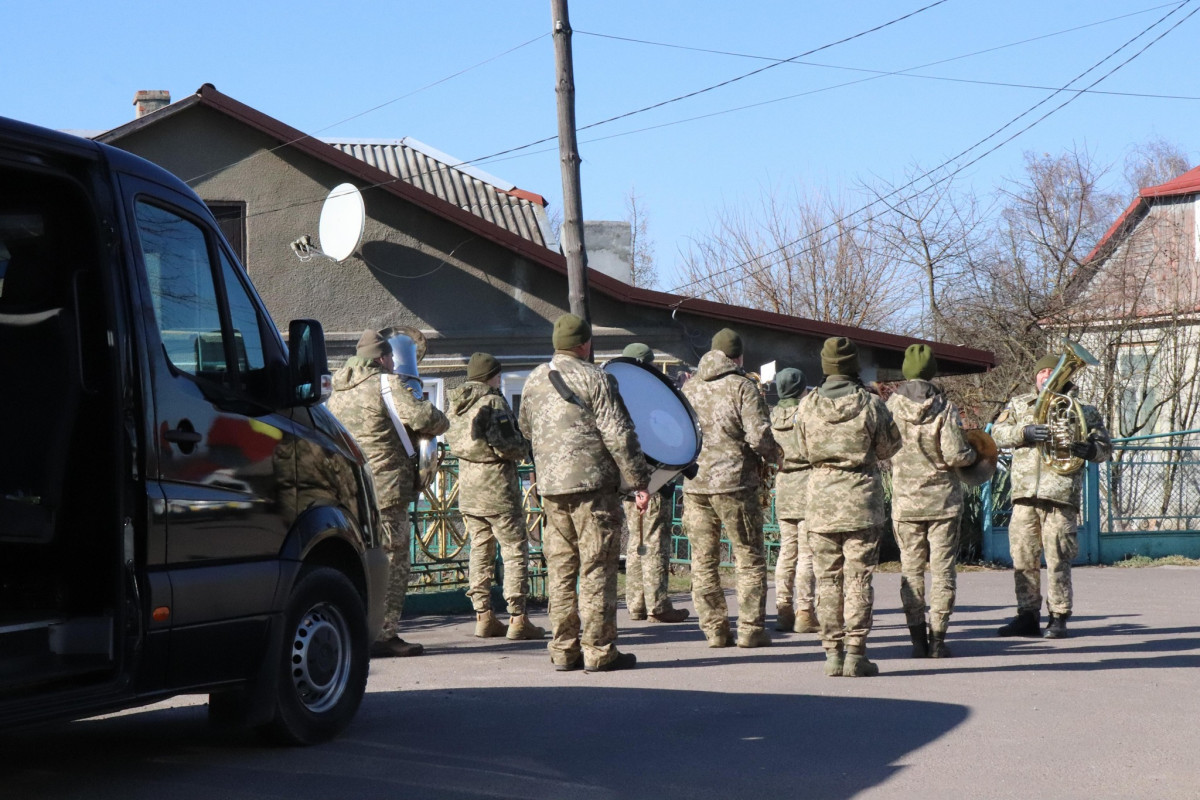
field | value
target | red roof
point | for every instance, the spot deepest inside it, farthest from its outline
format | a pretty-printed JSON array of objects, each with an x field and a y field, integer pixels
[
  {"x": 967, "y": 359},
  {"x": 1187, "y": 183}
]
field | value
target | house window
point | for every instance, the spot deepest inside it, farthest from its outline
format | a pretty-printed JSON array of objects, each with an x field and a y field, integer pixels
[
  {"x": 231, "y": 220},
  {"x": 512, "y": 384},
  {"x": 1136, "y": 390}
]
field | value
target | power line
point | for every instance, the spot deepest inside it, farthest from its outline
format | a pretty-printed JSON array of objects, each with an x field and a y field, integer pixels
[
  {"x": 1076, "y": 93},
  {"x": 384, "y": 104}
]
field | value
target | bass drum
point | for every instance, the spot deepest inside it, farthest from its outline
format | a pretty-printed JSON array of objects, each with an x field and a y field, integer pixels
[{"x": 663, "y": 419}]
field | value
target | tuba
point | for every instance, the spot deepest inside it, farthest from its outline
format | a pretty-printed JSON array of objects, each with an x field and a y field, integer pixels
[
  {"x": 408, "y": 347},
  {"x": 1061, "y": 413}
]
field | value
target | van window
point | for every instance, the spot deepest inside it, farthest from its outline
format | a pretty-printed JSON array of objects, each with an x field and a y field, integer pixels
[{"x": 245, "y": 318}]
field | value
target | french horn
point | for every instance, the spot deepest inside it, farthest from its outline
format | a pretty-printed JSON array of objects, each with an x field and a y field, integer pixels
[{"x": 1061, "y": 413}]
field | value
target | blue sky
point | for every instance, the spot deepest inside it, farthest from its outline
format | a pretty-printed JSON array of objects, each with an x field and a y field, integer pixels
[{"x": 315, "y": 64}]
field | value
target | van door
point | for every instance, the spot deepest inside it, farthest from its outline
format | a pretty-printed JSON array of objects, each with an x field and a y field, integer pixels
[{"x": 221, "y": 452}]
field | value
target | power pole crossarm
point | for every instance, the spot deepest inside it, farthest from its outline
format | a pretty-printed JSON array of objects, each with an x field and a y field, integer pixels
[{"x": 568, "y": 153}]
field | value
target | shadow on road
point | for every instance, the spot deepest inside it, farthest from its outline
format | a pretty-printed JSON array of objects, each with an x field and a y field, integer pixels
[{"x": 519, "y": 743}]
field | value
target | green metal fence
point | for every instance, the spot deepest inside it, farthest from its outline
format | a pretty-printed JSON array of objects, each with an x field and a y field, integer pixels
[{"x": 1144, "y": 501}]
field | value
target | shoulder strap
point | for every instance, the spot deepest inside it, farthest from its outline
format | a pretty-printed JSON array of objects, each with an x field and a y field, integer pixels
[{"x": 564, "y": 391}]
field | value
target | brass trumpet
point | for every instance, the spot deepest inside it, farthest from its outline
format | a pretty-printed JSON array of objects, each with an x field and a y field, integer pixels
[{"x": 1061, "y": 413}]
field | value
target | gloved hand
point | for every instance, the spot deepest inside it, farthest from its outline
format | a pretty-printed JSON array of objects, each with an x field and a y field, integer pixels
[
  {"x": 1085, "y": 450},
  {"x": 1036, "y": 433}
]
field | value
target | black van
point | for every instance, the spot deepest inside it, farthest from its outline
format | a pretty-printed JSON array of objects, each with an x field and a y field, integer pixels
[{"x": 178, "y": 511}]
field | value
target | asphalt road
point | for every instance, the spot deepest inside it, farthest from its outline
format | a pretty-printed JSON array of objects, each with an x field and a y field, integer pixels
[{"x": 1109, "y": 713}]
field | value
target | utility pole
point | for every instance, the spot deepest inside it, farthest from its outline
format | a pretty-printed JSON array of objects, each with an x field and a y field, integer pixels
[{"x": 568, "y": 155}]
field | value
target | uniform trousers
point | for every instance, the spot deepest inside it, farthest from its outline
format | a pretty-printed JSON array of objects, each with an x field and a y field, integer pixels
[
  {"x": 397, "y": 543},
  {"x": 1043, "y": 527},
  {"x": 932, "y": 543},
  {"x": 795, "y": 582},
  {"x": 484, "y": 532},
  {"x": 741, "y": 515},
  {"x": 845, "y": 563},
  {"x": 648, "y": 556},
  {"x": 582, "y": 546}
]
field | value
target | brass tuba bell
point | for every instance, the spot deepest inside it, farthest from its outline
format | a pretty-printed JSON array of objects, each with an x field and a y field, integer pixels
[{"x": 1061, "y": 413}]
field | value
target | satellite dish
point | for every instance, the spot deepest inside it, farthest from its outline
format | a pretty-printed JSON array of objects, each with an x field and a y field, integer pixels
[{"x": 342, "y": 219}]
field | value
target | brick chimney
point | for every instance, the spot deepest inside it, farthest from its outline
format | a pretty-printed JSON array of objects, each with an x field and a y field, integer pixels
[{"x": 150, "y": 100}]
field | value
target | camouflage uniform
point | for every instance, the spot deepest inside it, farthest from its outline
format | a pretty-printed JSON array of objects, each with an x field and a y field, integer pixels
[
  {"x": 927, "y": 499},
  {"x": 358, "y": 402},
  {"x": 483, "y": 436},
  {"x": 1045, "y": 516},
  {"x": 737, "y": 441},
  {"x": 794, "y": 579},
  {"x": 844, "y": 431},
  {"x": 583, "y": 456},
  {"x": 648, "y": 555}
]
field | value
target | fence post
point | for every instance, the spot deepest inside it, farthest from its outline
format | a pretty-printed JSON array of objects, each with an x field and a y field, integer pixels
[{"x": 1090, "y": 529}]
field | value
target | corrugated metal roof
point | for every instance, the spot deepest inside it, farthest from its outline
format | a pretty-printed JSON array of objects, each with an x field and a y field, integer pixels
[{"x": 467, "y": 187}]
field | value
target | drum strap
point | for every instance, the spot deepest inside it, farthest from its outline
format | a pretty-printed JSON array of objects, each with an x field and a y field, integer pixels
[
  {"x": 390, "y": 404},
  {"x": 564, "y": 391}
]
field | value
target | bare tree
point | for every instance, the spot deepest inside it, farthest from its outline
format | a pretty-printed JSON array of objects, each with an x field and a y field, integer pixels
[
  {"x": 1153, "y": 162},
  {"x": 644, "y": 272},
  {"x": 806, "y": 256}
]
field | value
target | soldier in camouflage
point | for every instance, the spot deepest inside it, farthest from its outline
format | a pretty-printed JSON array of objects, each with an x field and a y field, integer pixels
[
  {"x": 844, "y": 431},
  {"x": 737, "y": 441},
  {"x": 648, "y": 555},
  {"x": 927, "y": 498},
  {"x": 795, "y": 583},
  {"x": 382, "y": 413},
  {"x": 585, "y": 450},
  {"x": 1045, "y": 516},
  {"x": 484, "y": 437}
]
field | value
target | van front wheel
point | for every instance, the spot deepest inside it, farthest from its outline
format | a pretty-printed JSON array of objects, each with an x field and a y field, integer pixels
[{"x": 324, "y": 661}]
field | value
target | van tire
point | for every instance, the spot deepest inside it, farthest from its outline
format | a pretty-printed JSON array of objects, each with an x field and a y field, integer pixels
[{"x": 324, "y": 660}]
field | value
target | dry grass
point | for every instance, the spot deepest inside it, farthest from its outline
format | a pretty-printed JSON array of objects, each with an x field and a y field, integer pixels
[{"x": 1165, "y": 561}]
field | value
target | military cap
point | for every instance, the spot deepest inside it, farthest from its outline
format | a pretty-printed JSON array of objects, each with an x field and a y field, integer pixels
[
  {"x": 839, "y": 356},
  {"x": 1046, "y": 362},
  {"x": 919, "y": 363},
  {"x": 570, "y": 332},
  {"x": 640, "y": 352},
  {"x": 482, "y": 367},
  {"x": 728, "y": 342},
  {"x": 789, "y": 382},
  {"x": 372, "y": 345}
]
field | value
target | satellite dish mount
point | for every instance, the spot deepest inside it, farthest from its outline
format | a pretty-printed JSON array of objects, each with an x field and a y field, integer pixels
[{"x": 343, "y": 218}]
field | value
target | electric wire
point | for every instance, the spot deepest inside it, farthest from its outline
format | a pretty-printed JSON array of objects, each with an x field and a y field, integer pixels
[{"x": 1075, "y": 94}]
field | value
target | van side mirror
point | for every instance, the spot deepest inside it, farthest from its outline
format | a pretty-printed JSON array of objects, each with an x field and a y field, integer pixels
[{"x": 308, "y": 368}]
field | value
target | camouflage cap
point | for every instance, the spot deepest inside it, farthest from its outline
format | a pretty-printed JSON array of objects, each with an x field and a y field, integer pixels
[
  {"x": 919, "y": 363},
  {"x": 640, "y": 352},
  {"x": 789, "y": 382},
  {"x": 482, "y": 367},
  {"x": 570, "y": 332},
  {"x": 1046, "y": 362},
  {"x": 839, "y": 356},
  {"x": 728, "y": 342},
  {"x": 372, "y": 345}
]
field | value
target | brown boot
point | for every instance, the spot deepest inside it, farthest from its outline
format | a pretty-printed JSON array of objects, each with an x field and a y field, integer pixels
[
  {"x": 785, "y": 618},
  {"x": 487, "y": 626},
  {"x": 758, "y": 638},
  {"x": 396, "y": 647},
  {"x": 670, "y": 615},
  {"x": 519, "y": 627},
  {"x": 806, "y": 622}
]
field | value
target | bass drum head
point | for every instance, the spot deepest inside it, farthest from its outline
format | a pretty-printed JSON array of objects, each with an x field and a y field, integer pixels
[{"x": 664, "y": 421}]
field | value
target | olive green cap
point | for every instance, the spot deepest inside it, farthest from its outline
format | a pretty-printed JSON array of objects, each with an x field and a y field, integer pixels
[
  {"x": 789, "y": 382},
  {"x": 640, "y": 352},
  {"x": 728, "y": 342},
  {"x": 372, "y": 345},
  {"x": 482, "y": 367},
  {"x": 570, "y": 332},
  {"x": 919, "y": 363},
  {"x": 839, "y": 356},
  {"x": 1046, "y": 362}
]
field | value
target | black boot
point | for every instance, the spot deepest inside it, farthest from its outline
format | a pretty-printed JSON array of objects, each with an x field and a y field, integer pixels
[
  {"x": 937, "y": 646},
  {"x": 1025, "y": 623},
  {"x": 919, "y": 640},
  {"x": 1056, "y": 628}
]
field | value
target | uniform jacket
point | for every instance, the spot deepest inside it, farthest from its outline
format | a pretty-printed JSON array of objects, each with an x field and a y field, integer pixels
[
  {"x": 735, "y": 425},
  {"x": 1031, "y": 478},
  {"x": 484, "y": 436},
  {"x": 576, "y": 450},
  {"x": 791, "y": 482},
  {"x": 923, "y": 485},
  {"x": 357, "y": 401},
  {"x": 844, "y": 431}
]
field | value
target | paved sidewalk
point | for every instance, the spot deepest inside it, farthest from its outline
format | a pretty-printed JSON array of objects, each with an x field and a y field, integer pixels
[{"x": 1109, "y": 713}]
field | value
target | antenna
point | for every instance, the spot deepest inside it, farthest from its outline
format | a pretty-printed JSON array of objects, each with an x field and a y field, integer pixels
[{"x": 340, "y": 230}]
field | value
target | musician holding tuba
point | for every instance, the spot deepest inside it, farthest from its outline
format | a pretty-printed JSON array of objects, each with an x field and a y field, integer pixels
[
  {"x": 1052, "y": 434},
  {"x": 383, "y": 414}
]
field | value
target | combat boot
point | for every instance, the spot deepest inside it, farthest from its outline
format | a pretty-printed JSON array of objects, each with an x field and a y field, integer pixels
[
  {"x": 396, "y": 647},
  {"x": 758, "y": 638},
  {"x": 806, "y": 622},
  {"x": 670, "y": 615},
  {"x": 487, "y": 626},
  {"x": 858, "y": 666},
  {"x": 1056, "y": 627},
  {"x": 718, "y": 638},
  {"x": 920, "y": 640},
  {"x": 834, "y": 663},
  {"x": 519, "y": 627},
  {"x": 937, "y": 645},
  {"x": 637, "y": 614},
  {"x": 622, "y": 661},
  {"x": 1025, "y": 623},
  {"x": 785, "y": 618}
]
